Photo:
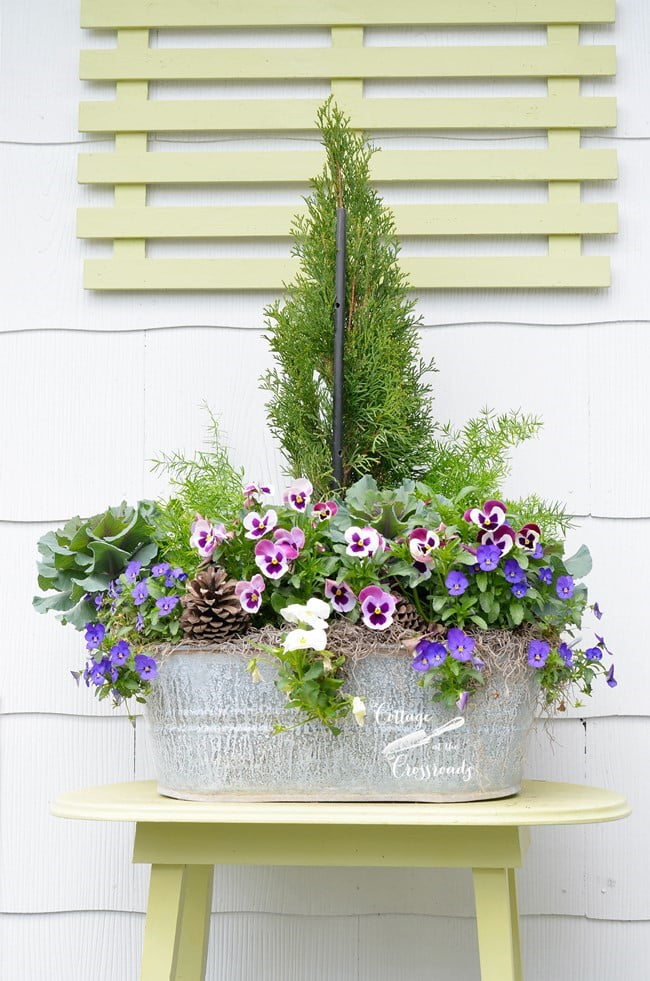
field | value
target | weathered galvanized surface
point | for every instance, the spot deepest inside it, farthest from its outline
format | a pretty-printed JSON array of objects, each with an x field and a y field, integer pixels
[{"x": 212, "y": 736}]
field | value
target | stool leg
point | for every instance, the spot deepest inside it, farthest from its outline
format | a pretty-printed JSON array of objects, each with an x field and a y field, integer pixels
[
  {"x": 497, "y": 922},
  {"x": 162, "y": 927},
  {"x": 195, "y": 923}
]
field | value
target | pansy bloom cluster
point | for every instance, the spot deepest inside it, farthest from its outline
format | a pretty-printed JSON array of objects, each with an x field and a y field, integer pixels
[
  {"x": 493, "y": 573},
  {"x": 139, "y": 608}
]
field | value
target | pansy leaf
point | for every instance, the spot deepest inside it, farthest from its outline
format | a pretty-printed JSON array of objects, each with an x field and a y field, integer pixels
[
  {"x": 479, "y": 621},
  {"x": 516, "y": 612}
]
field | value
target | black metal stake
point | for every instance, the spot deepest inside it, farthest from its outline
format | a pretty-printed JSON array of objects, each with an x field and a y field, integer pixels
[{"x": 339, "y": 335}]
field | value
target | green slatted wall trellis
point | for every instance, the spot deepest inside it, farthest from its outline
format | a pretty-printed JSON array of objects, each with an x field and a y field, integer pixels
[{"x": 347, "y": 64}]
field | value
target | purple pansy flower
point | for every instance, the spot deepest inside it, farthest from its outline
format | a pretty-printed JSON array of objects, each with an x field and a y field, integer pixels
[
  {"x": 538, "y": 651},
  {"x": 564, "y": 587},
  {"x": 291, "y": 541},
  {"x": 166, "y": 604},
  {"x": 460, "y": 644},
  {"x": 175, "y": 575},
  {"x": 94, "y": 635},
  {"x": 528, "y": 537},
  {"x": 422, "y": 543},
  {"x": 597, "y": 611},
  {"x": 519, "y": 589},
  {"x": 139, "y": 593},
  {"x": 132, "y": 570},
  {"x": 428, "y": 655},
  {"x": 95, "y": 675},
  {"x": 456, "y": 583},
  {"x": 503, "y": 537},
  {"x": 601, "y": 643},
  {"x": 513, "y": 571},
  {"x": 491, "y": 516},
  {"x": 119, "y": 653},
  {"x": 298, "y": 495},
  {"x": 271, "y": 559},
  {"x": 362, "y": 542},
  {"x": 258, "y": 525},
  {"x": 488, "y": 557},
  {"x": 139, "y": 622},
  {"x": 377, "y": 607},
  {"x": 325, "y": 510},
  {"x": 594, "y": 654},
  {"x": 98, "y": 601},
  {"x": 461, "y": 704},
  {"x": 146, "y": 667},
  {"x": 250, "y": 593},
  {"x": 565, "y": 653},
  {"x": 545, "y": 575},
  {"x": 160, "y": 569},
  {"x": 340, "y": 596},
  {"x": 610, "y": 679},
  {"x": 114, "y": 588},
  {"x": 206, "y": 537}
]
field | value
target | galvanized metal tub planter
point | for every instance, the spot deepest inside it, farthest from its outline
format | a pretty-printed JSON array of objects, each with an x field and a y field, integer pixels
[{"x": 211, "y": 732}]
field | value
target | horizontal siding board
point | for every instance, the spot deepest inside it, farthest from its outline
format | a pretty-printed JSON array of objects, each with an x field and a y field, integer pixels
[
  {"x": 413, "y": 220},
  {"x": 481, "y": 272},
  {"x": 618, "y": 866},
  {"x": 279, "y": 166},
  {"x": 280, "y": 115},
  {"x": 258, "y": 13},
  {"x": 96, "y": 945},
  {"x": 476, "y": 61}
]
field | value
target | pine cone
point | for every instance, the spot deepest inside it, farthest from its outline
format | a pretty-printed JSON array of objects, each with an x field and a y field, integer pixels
[
  {"x": 211, "y": 610},
  {"x": 407, "y": 616}
]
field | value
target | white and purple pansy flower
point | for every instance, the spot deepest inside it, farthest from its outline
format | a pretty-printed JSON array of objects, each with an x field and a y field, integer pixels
[
  {"x": 325, "y": 510},
  {"x": 422, "y": 544},
  {"x": 492, "y": 515},
  {"x": 249, "y": 594},
  {"x": 340, "y": 596},
  {"x": 362, "y": 542},
  {"x": 377, "y": 607},
  {"x": 206, "y": 537},
  {"x": 271, "y": 559},
  {"x": 253, "y": 493},
  {"x": 257, "y": 525},
  {"x": 298, "y": 495},
  {"x": 291, "y": 541},
  {"x": 503, "y": 538},
  {"x": 528, "y": 537}
]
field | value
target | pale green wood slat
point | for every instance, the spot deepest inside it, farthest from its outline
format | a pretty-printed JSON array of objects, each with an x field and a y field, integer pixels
[
  {"x": 563, "y": 193},
  {"x": 410, "y": 220},
  {"x": 134, "y": 94},
  {"x": 480, "y": 272},
  {"x": 506, "y": 61},
  {"x": 388, "y": 166},
  {"x": 277, "y": 115},
  {"x": 256, "y": 13}
]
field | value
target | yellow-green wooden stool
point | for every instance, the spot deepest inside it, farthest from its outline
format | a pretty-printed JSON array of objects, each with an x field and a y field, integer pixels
[{"x": 183, "y": 840}]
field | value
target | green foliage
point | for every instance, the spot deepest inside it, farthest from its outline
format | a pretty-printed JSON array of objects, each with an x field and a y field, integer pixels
[
  {"x": 476, "y": 457},
  {"x": 87, "y": 553},
  {"x": 387, "y": 427},
  {"x": 206, "y": 484},
  {"x": 311, "y": 681}
]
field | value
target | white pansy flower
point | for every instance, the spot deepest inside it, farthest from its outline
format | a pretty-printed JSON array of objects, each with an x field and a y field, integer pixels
[
  {"x": 315, "y": 640},
  {"x": 319, "y": 608},
  {"x": 359, "y": 710},
  {"x": 313, "y": 616}
]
